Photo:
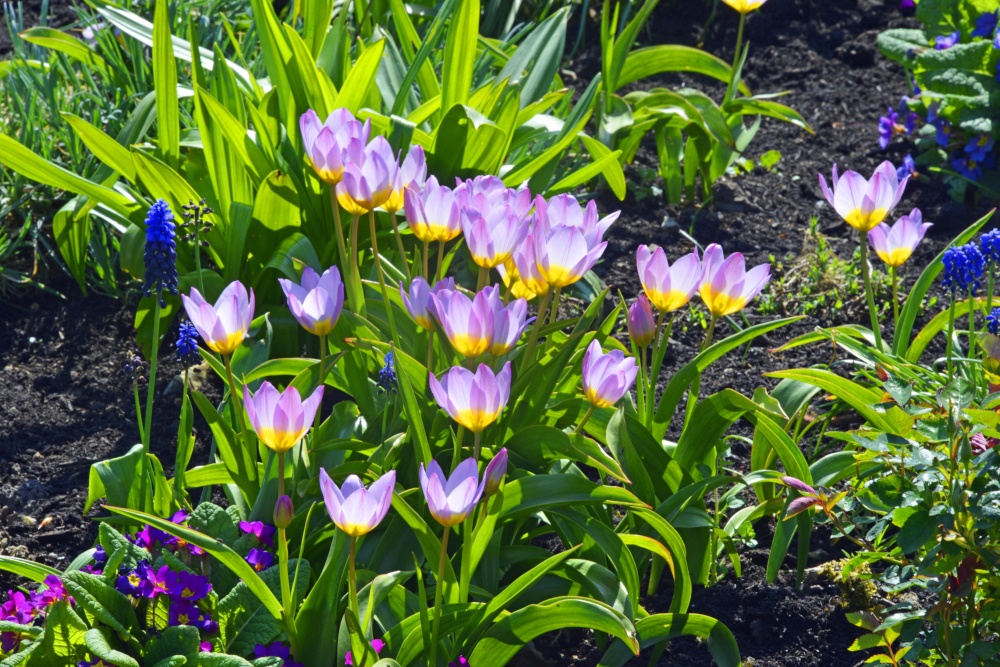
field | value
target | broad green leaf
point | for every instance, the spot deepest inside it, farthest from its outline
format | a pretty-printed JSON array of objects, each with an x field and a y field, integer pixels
[
  {"x": 103, "y": 603},
  {"x": 165, "y": 83},
  {"x": 528, "y": 495},
  {"x": 57, "y": 40},
  {"x": 658, "y": 628},
  {"x": 178, "y": 640},
  {"x": 544, "y": 443},
  {"x": 653, "y": 60},
  {"x": 26, "y": 568},
  {"x": 460, "y": 54},
  {"x": 107, "y": 150},
  {"x": 98, "y": 646},
  {"x": 117, "y": 480},
  {"x": 244, "y": 618}
]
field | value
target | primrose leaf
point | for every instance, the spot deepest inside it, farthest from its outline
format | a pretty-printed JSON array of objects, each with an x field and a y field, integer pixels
[
  {"x": 98, "y": 646},
  {"x": 103, "y": 603},
  {"x": 174, "y": 642}
]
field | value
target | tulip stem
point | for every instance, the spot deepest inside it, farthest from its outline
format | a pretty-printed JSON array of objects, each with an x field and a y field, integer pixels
[
  {"x": 426, "y": 261},
  {"x": 439, "y": 270},
  {"x": 357, "y": 289},
  {"x": 895, "y": 297},
  {"x": 533, "y": 338},
  {"x": 322, "y": 375},
  {"x": 456, "y": 454},
  {"x": 430, "y": 351},
  {"x": 583, "y": 422},
  {"x": 555, "y": 306},
  {"x": 709, "y": 333},
  {"x": 731, "y": 89},
  {"x": 147, "y": 423},
  {"x": 484, "y": 278},
  {"x": 400, "y": 248},
  {"x": 640, "y": 390},
  {"x": 286, "y": 590},
  {"x": 866, "y": 274},
  {"x": 234, "y": 396},
  {"x": 381, "y": 278},
  {"x": 438, "y": 591},
  {"x": 660, "y": 344},
  {"x": 338, "y": 227},
  {"x": 352, "y": 587},
  {"x": 478, "y": 441}
]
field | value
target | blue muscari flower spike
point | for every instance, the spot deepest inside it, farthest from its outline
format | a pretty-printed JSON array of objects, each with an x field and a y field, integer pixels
[
  {"x": 160, "y": 256},
  {"x": 993, "y": 322},
  {"x": 387, "y": 376},
  {"x": 186, "y": 348},
  {"x": 989, "y": 245},
  {"x": 963, "y": 267}
]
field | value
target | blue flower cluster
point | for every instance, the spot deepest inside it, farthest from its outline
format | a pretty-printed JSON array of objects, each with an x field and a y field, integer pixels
[
  {"x": 963, "y": 268},
  {"x": 989, "y": 245},
  {"x": 387, "y": 376},
  {"x": 275, "y": 650},
  {"x": 160, "y": 255},
  {"x": 978, "y": 153},
  {"x": 993, "y": 322},
  {"x": 889, "y": 125},
  {"x": 186, "y": 348}
]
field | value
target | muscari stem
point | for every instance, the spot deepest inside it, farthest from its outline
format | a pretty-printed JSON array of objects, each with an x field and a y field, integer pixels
[
  {"x": 438, "y": 591},
  {"x": 949, "y": 348},
  {"x": 870, "y": 295},
  {"x": 150, "y": 394}
]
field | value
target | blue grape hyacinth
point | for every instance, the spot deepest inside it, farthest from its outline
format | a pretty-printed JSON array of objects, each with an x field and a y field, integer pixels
[
  {"x": 989, "y": 245},
  {"x": 186, "y": 347},
  {"x": 963, "y": 267},
  {"x": 993, "y": 322},
  {"x": 160, "y": 256},
  {"x": 387, "y": 376}
]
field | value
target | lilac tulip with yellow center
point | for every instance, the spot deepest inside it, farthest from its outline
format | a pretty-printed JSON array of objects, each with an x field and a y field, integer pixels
[
  {"x": 895, "y": 244},
  {"x": 450, "y": 500},
  {"x": 222, "y": 326},
  {"x": 316, "y": 304},
  {"x": 433, "y": 212},
  {"x": 280, "y": 419},
  {"x": 564, "y": 255},
  {"x": 726, "y": 286},
  {"x": 354, "y": 509},
  {"x": 411, "y": 174},
  {"x": 491, "y": 233},
  {"x": 419, "y": 303},
  {"x": 565, "y": 211},
  {"x": 862, "y": 203},
  {"x": 744, "y": 6},
  {"x": 325, "y": 143},
  {"x": 468, "y": 323},
  {"x": 606, "y": 377},
  {"x": 508, "y": 321},
  {"x": 528, "y": 281},
  {"x": 474, "y": 400},
  {"x": 472, "y": 194},
  {"x": 668, "y": 287},
  {"x": 641, "y": 326},
  {"x": 368, "y": 177}
]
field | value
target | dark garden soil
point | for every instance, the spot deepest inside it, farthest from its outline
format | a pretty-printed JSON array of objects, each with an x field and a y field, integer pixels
[{"x": 66, "y": 404}]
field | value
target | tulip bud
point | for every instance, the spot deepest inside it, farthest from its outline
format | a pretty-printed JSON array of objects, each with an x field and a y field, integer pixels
[
  {"x": 641, "y": 327},
  {"x": 495, "y": 472},
  {"x": 284, "y": 510}
]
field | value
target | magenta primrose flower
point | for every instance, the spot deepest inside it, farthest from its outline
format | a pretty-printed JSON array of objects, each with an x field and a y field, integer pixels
[
  {"x": 726, "y": 286},
  {"x": 668, "y": 287},
  {"x": 419, "y": 303},
  {"x": 224, "y": 325},
  {"x": 895, "y": 244},
  {"x": 641, "y": 327},
  {"x": 368, "y": 177},
  {"x": 325, "y": 143},
  {"x": 606, "y": 377},
  {"x": 474, "y": 400},
  {"x": 450, "y": 500},
  {"x": 317, "y": 302},
  {"x": 280, "y": 419},
  {"x": 468, "y": 323},
  {"x": 433, "y": 212},
  {"x": 354, "y": 509},
  {"x": 862, "y": 203},
  {"x": 412, "y": 174}
]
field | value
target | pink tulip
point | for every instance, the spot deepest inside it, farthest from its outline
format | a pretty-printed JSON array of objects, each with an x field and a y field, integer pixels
[
  {"x": 224, "y": 325},
  {"x": 451, "y": 500},
  {"x": 641, "y": 326},
  {"x": 491, "y": 232},
  {"x": 668, "y": 287},
  {"x": 419, "y": 303},
  {"x": 606, "y": 377},
  {"x": 726, "y": 286},
  {"x": 411, "y": 174},
  {"x": 468, "y": 323},
  {"x": 354, "y": 509},
  {"x": 564, "y": 255},
  {"x": 368, "y": 177},
  {"x": 325, "y": 143},
  {"x": 508, "y": 321},
  {"x": 863, "y": 204},
  {"x": 433, "y": 212},
  {"x": 474, "y": 400},
  {"x": 895, "y": 244},
  {"x": 523, "y": 270},
  {"x": 565, "y": 211},
  {"x": 316, "y": 303},
  {"x": 280, "y": 419}
]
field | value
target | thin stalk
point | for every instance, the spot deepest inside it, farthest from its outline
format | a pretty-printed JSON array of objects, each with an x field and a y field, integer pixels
[
  {"x": 477, "y": 442},
  {"x": 426, "y": 273},
  {"x": 949, "y": 349},
  {"x": 354, "y": 269},
  {"x": 456, "y": 453},
  {"x": 709, "y": 333},
  {"x": 484, "y": 278},
  {"x": 400, "y": 248},
  {"x": 989, "y": 287},
  {"x": 583, "y": 422},
  {"x": 150, "y": 394},
  {"x": 895, "y": 296},
  {"x": 555, "y": 306},
  {"x": 529, "y": 352},
  {"x": 438, "y": 591},
  {"x": 731, "y": 89},
  {"x": 430, "y": 351},
  {"x": 872, "y": 310},
  {"x": 972, "y": 335},
  {"x": 440, "y": 262},
  {"x": 234, "y": 396},
  {"x": 286, "y": 590},
  {"x": 381, "y": 278},
  {"x": 660, "y": 344},
  {"x": 339, "y": 228},
  {"x": 322, "y": 375},
  {"x": 640, "y": 389},
  {"x": 138, "y": 406},
  {"x": 352, "y": 585}
]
